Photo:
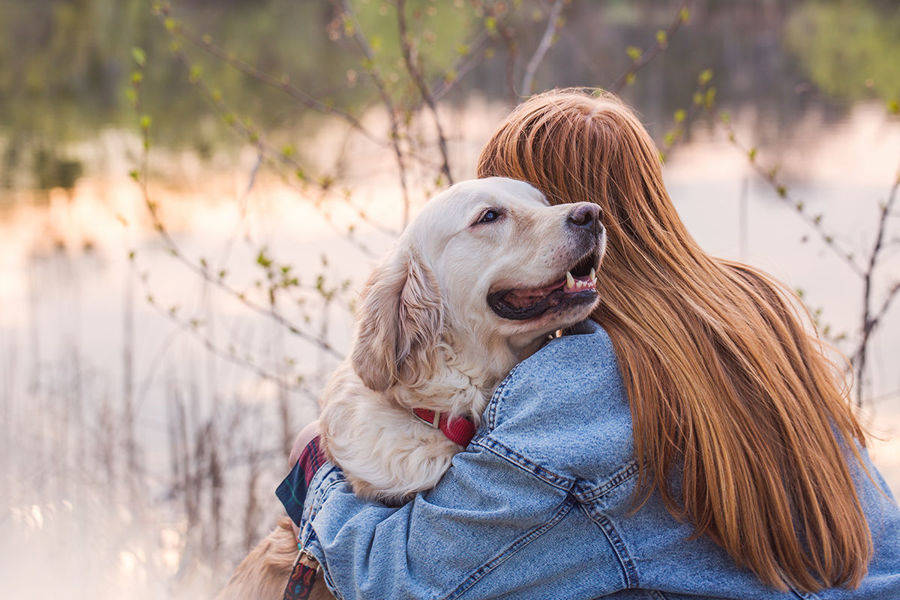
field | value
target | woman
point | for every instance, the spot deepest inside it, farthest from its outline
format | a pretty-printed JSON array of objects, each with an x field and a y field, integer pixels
[{"x": 697, "y": 443}]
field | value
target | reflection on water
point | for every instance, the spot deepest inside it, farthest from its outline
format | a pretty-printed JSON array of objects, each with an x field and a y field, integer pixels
[
  {"x": 102, "y": 387},
  {"x": 63, "y": 69}
]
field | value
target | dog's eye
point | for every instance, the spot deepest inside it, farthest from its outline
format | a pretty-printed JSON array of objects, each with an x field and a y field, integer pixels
[{"x": 488, "y": 216}]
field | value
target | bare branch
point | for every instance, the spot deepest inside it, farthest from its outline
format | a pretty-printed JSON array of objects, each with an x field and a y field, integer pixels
[
  {"x": 463, "y": 67},
  {"x": 343, "y": 6},
  {"x": 640, "y": 61},
  {"x": 282, "y": 83},
  {"x": 277, "y": 158},
  {"x": 419, "y": 79},
  {"x": 889, "y": 298},
  {"x": 770, "y": 176},
  {"x": 553, "y": 24},
  {"x": 869, "y": 320},
  {"x": 194, "y": 329},
  {"x": 142, "y": 178},
  {"x": 512, "y": 50},
  {"x": 704, "y": 101}
]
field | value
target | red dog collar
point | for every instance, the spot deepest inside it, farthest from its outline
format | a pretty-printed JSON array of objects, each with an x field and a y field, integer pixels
[{"x": 458, "y": 430}]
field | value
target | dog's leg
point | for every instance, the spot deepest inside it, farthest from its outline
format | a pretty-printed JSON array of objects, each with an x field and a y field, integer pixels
[{"x": 264, "y": 573}]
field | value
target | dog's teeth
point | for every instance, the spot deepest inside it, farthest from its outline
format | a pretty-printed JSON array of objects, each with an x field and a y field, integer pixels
[
  {"x": 593, "y": 275},
  {"x": 570, "y": 281}
]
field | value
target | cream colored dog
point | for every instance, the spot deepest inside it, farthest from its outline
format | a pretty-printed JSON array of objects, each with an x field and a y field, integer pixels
[{"x": 477, "y": 282}]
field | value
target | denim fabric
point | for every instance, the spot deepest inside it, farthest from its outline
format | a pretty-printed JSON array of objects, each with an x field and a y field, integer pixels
[{"x": 538, "y": 505}]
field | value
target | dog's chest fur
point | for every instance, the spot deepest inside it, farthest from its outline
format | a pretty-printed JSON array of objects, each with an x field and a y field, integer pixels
[{"x": 385, "y": 452}]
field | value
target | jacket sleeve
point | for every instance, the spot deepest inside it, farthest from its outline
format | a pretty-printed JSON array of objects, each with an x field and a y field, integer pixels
[{"x": 493, "y": 525}]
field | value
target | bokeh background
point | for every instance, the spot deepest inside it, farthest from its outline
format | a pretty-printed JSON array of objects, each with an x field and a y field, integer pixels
[{"x": 191, "y": 194}]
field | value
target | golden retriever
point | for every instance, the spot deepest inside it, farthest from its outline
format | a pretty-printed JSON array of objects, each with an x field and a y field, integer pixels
[{"x": 476, "y": 283}]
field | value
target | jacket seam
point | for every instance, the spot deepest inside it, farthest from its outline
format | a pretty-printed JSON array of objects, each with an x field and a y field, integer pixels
[
  {"x": 496, "y": 397},
  {"x": 518, "y": 460},
  {"x": 625, "y": 473},
  {"x": 326, "y": 575},
  {"x": 617, "y": 543},
  {"x": 323, "y": 485},
  {"x": 322, "y": 492},
  {"x": 517, "y": 545}
]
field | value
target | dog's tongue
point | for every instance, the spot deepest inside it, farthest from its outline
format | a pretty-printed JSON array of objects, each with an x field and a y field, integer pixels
[
  {"x": 529, "y": 297},
  {"x": 525, "y": 298}
]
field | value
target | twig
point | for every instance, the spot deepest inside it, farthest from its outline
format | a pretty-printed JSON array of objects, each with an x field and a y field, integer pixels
[
  {"x": 212, "y": 348},
  {"x": 283, "y": 83},
  {"x": 218, "y": 282},
  {"x": 889, "y": 298},
  {"x": 642, "y": 59},
  {"x": 419, "y": 79},
  {"x": 276, "y": 157},
  {"x": 243, "y": 202},
  {"x": 553, "y": 24},
  {"x": 346, "y": 12},
  {"x": 142, "y": 178},
  {"x": 704, "y": 100},
  {"x": 193, "y": 327},
  {"x": 462, "y": 67},
  {"x": 512, "y": 50},
  {"x": 814, "y": 221},
  {"x": 870, "y": 321}
]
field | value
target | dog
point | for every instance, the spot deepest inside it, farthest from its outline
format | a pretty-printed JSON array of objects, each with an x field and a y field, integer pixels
[{"x": 480, "y": 280}]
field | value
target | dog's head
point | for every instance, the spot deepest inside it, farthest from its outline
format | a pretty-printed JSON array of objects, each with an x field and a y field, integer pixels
[{"x": 488, "y": 268}]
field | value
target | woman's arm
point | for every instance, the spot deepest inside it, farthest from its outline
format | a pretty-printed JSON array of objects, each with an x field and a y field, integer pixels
[{"x": 492, "y": 526}]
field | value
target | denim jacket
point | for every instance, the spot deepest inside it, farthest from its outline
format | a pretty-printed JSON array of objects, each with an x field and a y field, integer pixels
[{"x": 538, "y": 506}]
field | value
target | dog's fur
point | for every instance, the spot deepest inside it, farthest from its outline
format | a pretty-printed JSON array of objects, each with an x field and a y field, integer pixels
[{"x": 429, "y": 336}]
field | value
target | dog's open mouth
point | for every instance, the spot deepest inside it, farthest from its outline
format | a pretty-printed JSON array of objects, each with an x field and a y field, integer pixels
[{"x": 578, "y": 286}]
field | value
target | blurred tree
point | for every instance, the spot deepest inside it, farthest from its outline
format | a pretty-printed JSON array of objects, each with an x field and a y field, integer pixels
[{"x": 849, "y": 49}]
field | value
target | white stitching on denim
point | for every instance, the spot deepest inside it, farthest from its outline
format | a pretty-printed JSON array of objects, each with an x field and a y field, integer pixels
[
  {"x": 329, "y": 480},
  {"x": 514, "y": 458},
  {"x": 534, "y": 533},
  {"x": 617, "y": 544},
  {"x": 496, "y": 397},
  {"x": 593, "y": 493}
]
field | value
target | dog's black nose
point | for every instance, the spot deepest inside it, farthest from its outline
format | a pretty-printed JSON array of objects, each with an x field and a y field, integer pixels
[{"x": 585, "y": 216}]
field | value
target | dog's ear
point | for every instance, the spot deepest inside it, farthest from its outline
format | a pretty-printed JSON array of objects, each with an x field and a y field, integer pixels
[{"x": 399, "y": 323}]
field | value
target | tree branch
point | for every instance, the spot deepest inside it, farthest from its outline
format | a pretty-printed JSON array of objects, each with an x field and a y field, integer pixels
[
  {"x": 553, "y": 24},
  {"x": 642, "y": 59},
  {"x": 870, "y": 321},
  {"x": 343, "y": 6},
  {"x": 282, "y": 83},
  {"x": 419, "y": 79},
  {"x": 814, "y": 221}
]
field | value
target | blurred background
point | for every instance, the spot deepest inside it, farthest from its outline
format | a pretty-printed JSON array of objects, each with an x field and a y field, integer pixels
[{"x": 191, "y": 194}]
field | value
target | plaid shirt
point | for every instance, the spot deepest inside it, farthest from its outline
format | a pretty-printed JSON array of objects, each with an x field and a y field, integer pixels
[{"x": 292, "y": 491}]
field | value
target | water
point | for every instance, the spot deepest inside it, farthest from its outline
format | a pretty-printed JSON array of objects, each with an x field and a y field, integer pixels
[
  {"x": 141, "y": 440},
  {"x": 70, "y": 291}
]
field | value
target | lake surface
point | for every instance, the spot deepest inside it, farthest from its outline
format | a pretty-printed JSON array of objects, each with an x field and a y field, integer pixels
[
  {"x": 145, "y": 409},
  {"x": 69, "y": 288},
  {"x": 81, "y": 345}
]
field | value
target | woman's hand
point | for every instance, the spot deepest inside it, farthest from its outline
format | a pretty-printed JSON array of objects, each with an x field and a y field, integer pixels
[{"x": 303, "y": 438}]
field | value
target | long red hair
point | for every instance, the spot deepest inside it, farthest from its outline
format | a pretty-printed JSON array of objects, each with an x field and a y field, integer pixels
[{"x": 728, "y": 385}]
